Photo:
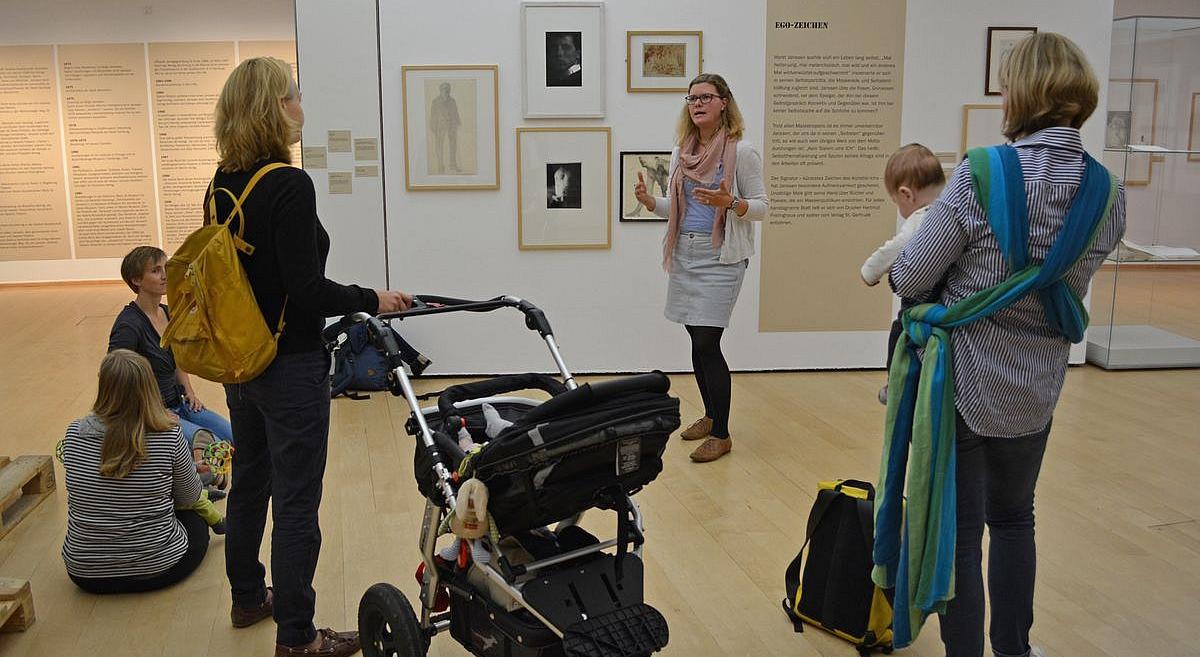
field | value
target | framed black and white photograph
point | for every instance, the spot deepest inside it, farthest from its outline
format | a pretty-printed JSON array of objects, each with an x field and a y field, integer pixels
[
  {"x": 451, "y": 127},
  {"x": 564, "y": 185},
  {"x": 654, "y": 167},
  {"x": 564, "y": 59},
  {"x": 563, "y": 53},
  {"x": 564, "y": 189},
  {"x": 1000, "y": 41},
  {"x": 662, "y": 61}
]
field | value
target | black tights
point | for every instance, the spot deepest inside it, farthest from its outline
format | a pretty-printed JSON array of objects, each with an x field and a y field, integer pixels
[{"x": 712, "y": 375}]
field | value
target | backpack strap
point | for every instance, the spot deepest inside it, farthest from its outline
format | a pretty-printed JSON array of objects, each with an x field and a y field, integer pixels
[
  {"x": 791, "y": 577},
  {"x": 237, "y": 210},
  {"x": 242, "y": 245}
]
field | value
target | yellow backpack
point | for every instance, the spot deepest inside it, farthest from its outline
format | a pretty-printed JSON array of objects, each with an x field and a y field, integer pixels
[{"x": 216, "y": 330}]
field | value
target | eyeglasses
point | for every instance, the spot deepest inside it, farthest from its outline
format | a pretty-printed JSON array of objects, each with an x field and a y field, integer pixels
[{"x": 703, "y": 99}]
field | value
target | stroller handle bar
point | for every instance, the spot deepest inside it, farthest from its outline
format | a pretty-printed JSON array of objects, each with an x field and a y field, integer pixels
[
  {"x": 426, "y": 304},
  {"x": 380, "y": 335}
]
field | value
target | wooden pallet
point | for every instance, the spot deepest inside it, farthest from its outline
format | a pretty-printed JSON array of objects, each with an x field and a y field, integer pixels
[
  {"x": 25, "y": 482},
  {"x": 16, "y": 605}
]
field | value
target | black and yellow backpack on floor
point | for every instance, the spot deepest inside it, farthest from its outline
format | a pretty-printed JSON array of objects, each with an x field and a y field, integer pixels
[{"x": 835, "y": 592}]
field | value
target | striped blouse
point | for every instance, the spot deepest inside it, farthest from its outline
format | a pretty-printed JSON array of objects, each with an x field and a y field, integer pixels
[
  {"x": 1008, "y": 367},
  {"x": 125, "y": 527}
]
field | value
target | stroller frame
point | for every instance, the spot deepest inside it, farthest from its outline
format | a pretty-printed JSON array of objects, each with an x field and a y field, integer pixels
[{"x": 503, "y": 580}]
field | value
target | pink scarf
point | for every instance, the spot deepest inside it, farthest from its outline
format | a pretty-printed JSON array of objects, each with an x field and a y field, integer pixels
[{"x": 700, "y": 167}]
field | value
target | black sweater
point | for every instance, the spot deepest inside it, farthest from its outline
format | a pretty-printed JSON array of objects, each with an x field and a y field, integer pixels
[
  {"x": 132, "y": 330},
  {"x": 290, "y": 249}
]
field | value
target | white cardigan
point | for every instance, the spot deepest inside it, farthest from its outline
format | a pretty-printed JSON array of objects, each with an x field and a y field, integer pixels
[{"x": 748, "y": 185}]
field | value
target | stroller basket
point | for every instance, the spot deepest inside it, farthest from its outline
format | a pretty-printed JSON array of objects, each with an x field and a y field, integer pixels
[{"x": 573, "y": 452}]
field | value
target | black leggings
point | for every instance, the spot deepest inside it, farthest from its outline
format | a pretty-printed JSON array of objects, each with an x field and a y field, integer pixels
[
  {"x": 712, "y": 375},
  {"x": 197, "y": 545}
]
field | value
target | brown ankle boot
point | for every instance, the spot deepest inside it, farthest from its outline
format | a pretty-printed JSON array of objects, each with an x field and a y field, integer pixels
[
  {"x": 712, "y": 449},
  {"x": 698, "y": 430},
  {"x": 327, "y": 644}
]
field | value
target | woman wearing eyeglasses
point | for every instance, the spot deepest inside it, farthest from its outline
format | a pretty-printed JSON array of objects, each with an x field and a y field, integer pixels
[{"x": 715, "y": 191}]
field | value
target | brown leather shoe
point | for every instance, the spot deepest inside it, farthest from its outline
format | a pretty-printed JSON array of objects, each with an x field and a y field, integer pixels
[
  {"x": 698, "y": 430},
  {"x": 247, "y": 616},
  {"x": 327, "y": 644},
  {"x": 712, "y": 449}
]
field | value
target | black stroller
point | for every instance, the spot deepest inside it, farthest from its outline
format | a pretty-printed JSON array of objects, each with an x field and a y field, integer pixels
[{"x": 536, "y": 592}]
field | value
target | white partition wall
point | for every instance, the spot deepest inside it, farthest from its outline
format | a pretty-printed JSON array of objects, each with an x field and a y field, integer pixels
[{"x": 339, "y": 80}]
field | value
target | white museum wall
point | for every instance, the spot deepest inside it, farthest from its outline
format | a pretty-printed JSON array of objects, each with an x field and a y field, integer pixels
[
  {"x": 125, "y": 21},
  {"x": 338, "y": 62},
  {"x": 606, "y": 306}
]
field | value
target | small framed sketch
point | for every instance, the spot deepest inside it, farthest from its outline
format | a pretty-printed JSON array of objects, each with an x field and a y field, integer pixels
[
  {"x": 563, "y": 52},
  {"x": 982, "y": 125},
  {"x": 451, "y": 127},
  {"x": 564, "y": 188},
  {"x": 662, "y": 61},
  {"x": 1133, "y": 121},
  {"x": 1000, "y": 40},
  {"x": 654, "y": 166}
]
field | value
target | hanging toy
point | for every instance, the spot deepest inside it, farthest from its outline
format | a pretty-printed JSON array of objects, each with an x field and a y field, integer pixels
[{"x": 470, "y": 519}]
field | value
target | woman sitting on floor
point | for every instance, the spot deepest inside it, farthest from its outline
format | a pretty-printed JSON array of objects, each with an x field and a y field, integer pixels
[{"x": 134, "y": 500}]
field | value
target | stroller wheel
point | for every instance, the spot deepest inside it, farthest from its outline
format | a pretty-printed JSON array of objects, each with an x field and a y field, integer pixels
[{"x": 388, "y": 626}]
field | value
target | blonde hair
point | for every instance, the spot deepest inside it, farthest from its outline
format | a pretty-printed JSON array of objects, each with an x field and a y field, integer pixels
[
  {"x": 133, "y": 265},
  {"x": 129, "y": 405},
  {"x": 1047, "y": 82},
  {"x": 731, "y": 118},
  {"x": 250, "y": 123},
  {"x": 912, "y": 166}
]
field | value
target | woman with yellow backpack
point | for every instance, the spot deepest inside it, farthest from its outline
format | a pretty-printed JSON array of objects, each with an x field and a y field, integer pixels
[{"x": 264, "y": 211}]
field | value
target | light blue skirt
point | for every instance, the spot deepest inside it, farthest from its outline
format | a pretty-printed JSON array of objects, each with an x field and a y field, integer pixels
[{"x": 701, "y": 291}]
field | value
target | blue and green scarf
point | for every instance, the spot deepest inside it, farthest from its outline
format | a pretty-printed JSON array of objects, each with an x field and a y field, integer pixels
[{"x": 915, "y": 542}]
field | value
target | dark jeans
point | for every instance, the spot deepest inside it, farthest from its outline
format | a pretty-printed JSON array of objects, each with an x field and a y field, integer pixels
[
  {"x": 197, "y": 545},
  {"x": 996, "y": 478},
  {"x": 281, "y": 425},
  {"x": 898, "y": 327}
]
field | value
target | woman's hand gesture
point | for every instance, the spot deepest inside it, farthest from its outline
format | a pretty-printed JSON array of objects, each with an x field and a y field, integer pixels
[{"x": 639, "y": 191}]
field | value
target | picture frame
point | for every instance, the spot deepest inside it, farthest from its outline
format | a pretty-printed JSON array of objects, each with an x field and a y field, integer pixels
[
  {"x": 1193, "y": 142},
  {"x": 562, "y": 46},
  {"x": 451, "y": 117},
  {"x": 655, "y": 169},
  {"x": 662, "y": 60},
  {"x": 1000, "y": 40},
  {"x": 982, "y": 125},
  {"x": 564, "y": 188},
  {"x": 1133, "y": 118}
]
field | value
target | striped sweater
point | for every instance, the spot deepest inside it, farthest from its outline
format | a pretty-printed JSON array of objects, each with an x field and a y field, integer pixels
[
  {"x": 125, "y": 527},
  {"x": 1008, "y": 367}
]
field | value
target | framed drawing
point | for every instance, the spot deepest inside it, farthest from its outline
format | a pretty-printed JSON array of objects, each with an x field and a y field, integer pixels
[
  {"x": 1132, "y": 121},
  {"x": 1000, "y": 40},
  {"x": 564, "y": 188},
  {"x": 1194, "y": 129},
  {"x": 654, "y": 166},
  {"x": 451, "y": 127},
  {"x": 662, "y": 61},
  {"x": 563, "y": 51},
  {"x": 982, "y": 125}
]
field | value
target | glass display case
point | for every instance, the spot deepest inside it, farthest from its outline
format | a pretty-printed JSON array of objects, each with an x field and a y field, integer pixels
[{"x": 1145, "y": 304}]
